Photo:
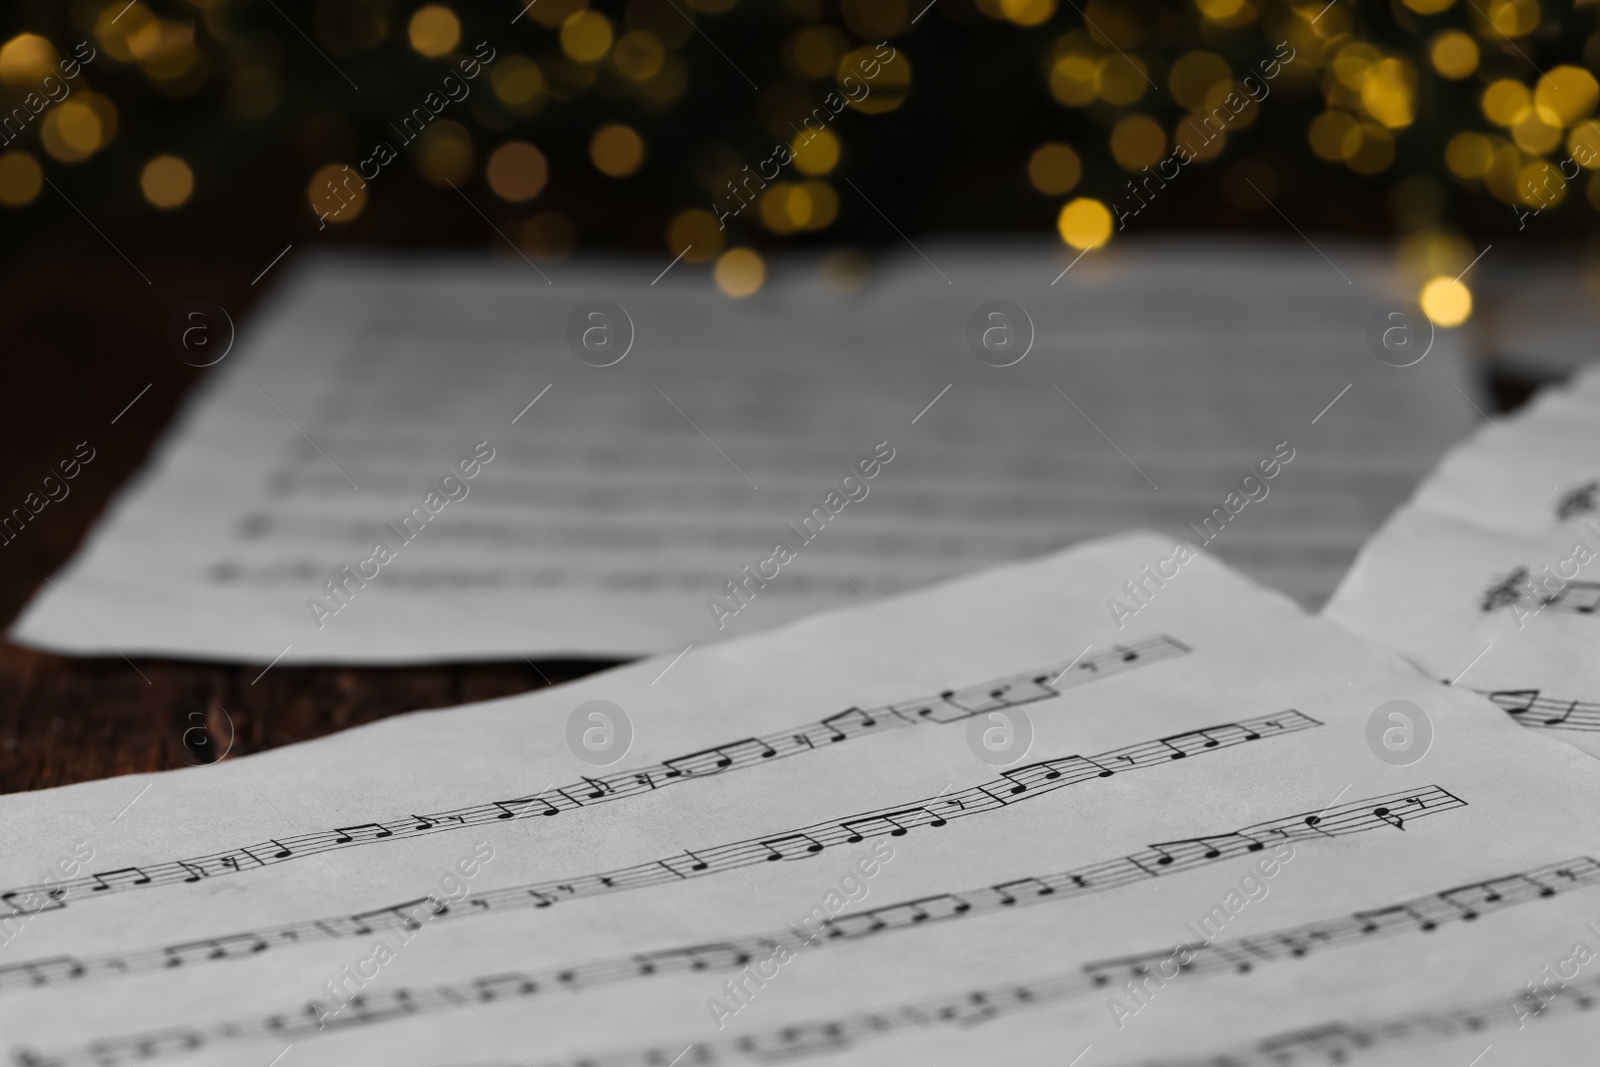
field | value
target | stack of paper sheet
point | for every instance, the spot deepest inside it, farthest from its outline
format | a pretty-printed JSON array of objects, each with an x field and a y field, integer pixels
[{"x": 1198, "y": 855}]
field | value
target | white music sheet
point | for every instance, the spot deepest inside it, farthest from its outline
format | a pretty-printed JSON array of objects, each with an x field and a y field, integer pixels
[
  {"x": 1488, "y": 580},
  {"x": 626, "y": 498},
  {"x": 1326, "y": 899}
]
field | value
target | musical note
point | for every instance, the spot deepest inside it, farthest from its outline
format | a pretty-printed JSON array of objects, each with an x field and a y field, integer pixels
[
  {"x": 1014, "y": 690},
  {"x": 123, "y": 876},
  {"x": 345, "y": 834},
  {"x": 791, "y": 846},
  {"x": 1531, "y": 709},
  {"x": 1580, "y": 598}
]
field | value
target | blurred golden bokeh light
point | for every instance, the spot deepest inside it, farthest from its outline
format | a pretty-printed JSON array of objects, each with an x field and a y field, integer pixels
[
  {"x": 20, "y": 179},
  {"x": 816, "y": 152},
  {"x": 1137, "y": 141},
  {"x": 1454, "y": 55},
  {"x": 616, "y": 150},
  {"x": 72, "y": 131},
  {"x": 1054, "y": 169},
  {"x": 586, "y": 36},
  {"x": 434, "y": 30},
  {"x": 1446, "y": 301},
  {"x": 25, "y": 60},
  {"x": 1084, "y": 223},
  {"x": 336, "y": 193},
  {"x": 739, "y": 272},
  {"x": 167, "y": 182},
  {"x": 517, "y": 171}
]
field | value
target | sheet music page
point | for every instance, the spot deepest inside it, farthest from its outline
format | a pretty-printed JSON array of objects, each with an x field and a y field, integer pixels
[
  {"x": 1487, "y": 579},
  {"x": 814, "y": 848},
  {"x": 608, "y": 508}
]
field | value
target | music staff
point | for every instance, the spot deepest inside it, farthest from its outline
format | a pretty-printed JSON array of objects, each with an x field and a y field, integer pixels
[
  {"x": 1531, "y": 709},
  {"x": 1012, "y": 787},
  {"x": 950, "y": 706},
  {"x": 1162, "y": 859},
  {"x": 962, "y": 1010},
  {"x": 1518, "y": 589}
]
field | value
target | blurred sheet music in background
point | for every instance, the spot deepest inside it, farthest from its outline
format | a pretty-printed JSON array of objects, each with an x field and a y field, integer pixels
[{"x": 620, "y": 500}]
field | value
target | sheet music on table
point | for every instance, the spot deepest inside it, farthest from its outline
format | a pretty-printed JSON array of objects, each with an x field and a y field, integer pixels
[
  {"x": 1487, "y": 579},
  {"x": 613, "y": 504},
  {"x": 1353, "y": 889}
]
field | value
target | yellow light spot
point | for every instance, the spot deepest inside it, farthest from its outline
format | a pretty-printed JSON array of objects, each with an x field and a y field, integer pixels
[
  {"x": 1350, "y": 66},
  {"x": 1514, "y": 18},
  {"x": 817, "y": 153},
  {"x": 434, "y": 30},
  {"x": 71, "y": 131},
  {"x": 1506, "y": 101},
  {"x": 1137, "y": 141},
  {"x": 888, "y": 82},
  {"x": 1028, "y": 12},
  {"x": 1075, "y": 79},
  {"x": 1468, "y": 155},
  {"x": 1054, "y": 169},
  {"x": 1583, "y": 144},
  {"x": 167, "y": 181},
  {"x": 336, "y": 193},
  {"x": 824, "y": 204},
  {"x": 517, "y": 171},
  {"x": 1534, "y": 135},
  {"x": 1084, "y": 223},
  {"x": 697, "y": 231},
  {"x": 638, "y": 55},
  {"x": 739, "y": 272},
  {"x": 20, "y": 179},
  {"x": 1454, "y": 54},
  {"x": 1504, "y": 169},
  {"x": 552, "y": 13},
  {"x": 1220, "y": 10},
  {"x": 518, "y": 84},
  {"x": 1428, "y": 7},
  {"x": 814, "y": 51},
  {"x": 1122, "y": 80},
  {"x": 444, "y": 153},
  {"x": 1566, "y": 94},
  {"x": 1387, "y": 91},
  {"x": 1372, "y": 151},
  {"x": 114, "y": 25},
  {"x": 1446, "y": 301},
  {"x": 586, "y": 36},
  {"x": 1540, "y": 185},
  {"x": 616, "y": 150},
  {"x": 784, "y": 207},
  {"x": 1334, "y": 135},
  {"x": 26, "y": 59},
  {"x": 1193, "y": 75}
]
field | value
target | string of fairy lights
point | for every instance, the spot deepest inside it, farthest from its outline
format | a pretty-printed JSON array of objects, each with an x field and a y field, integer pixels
[{"x": 1445, "y": 101}]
